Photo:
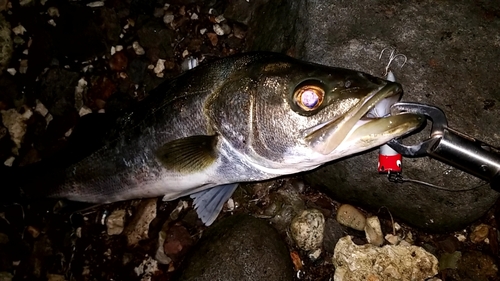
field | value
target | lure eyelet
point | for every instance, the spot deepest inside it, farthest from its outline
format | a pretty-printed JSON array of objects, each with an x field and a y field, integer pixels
[{"x": 309, "y": 97}]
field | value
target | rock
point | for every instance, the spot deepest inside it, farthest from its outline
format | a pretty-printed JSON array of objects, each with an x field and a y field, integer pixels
[
  {"x": 333, "y": 232},
  {"x": 477, "y": 266},
  {"x": 6, "y": 47},
  {"x": 373, "y": 231},
  {"x": 55, "y": 277},
  {"x": 57, "y": 91},
  {"x": 391, "y": 263},
  {"x": 393, "y": 239},
  {"x": 284, "y": 205},
  {"x": 147, "y": 268},
  {"x": 449, "y": 245},
  {"x": 442, "y": 62},
  {"x": 239, "y": 247},
  {"x": 177, "y": 242},
  {"x": 449, "y": 261},
  {"x": 350, "y": 216},
  {"x": 15, "y": 123},
  {"x": 154, "y": 35},
  {"x": 138, "y": 227},
  {"x": 116, "y": 222},
  {"x": 241, "y": 11},
  {"x": 307, "y": 229},
  {"x": 480, "y": 233}
]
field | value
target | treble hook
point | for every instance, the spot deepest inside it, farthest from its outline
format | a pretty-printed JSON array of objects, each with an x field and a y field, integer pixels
[{"x": 392, "y": 57}]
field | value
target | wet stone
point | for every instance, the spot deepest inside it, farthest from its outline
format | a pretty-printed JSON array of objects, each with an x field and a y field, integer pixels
[
  {"x": 307, "y": 229},
  {"x": 57, "y": 91},
  {"x": 480, "y": 233},
  {"x": 240, "y": 248},
  {"x": 333, "y": 232},
  {"x": 138, "y": 228},
  {"x": 368, "y": 262},
  {"x": 349, "y": 216},
  {"x": 115, "y": 222},
  {"x": 241, "y": 11},
  {"x": 153, "y": 35},
  {"x": 6, "y": 47},
  {"x": 355, "y": 42},
  {"x": 373, "y": 231},
  {"x": 477, "y": 266},
  {"x": 177, "y": 242}
]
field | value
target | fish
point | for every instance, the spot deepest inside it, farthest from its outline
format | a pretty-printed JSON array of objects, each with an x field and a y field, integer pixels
[{"x": 244, "y": 118}]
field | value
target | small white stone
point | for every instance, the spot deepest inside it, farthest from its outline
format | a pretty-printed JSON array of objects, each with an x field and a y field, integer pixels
[
  {"x": 203, "y": 30},
  {"x": 9, "y": 161},
  {"x": 84, "y": 111},
  {"x": 307, "y": 229},
  {"x": 168, "y": 18},
  {"x": 40, "y": 108},
  {"x": 113, "y": 50},
  {"x": 315, "y": 254},
  {"x": 230, "y": 205},
  {"x": 160, "y": 66},
  {"x": 138, "y": 49},
  {"x": 185, "y": 53},
  {"x": 194, "y": 16},
  {"x": 460, "y": 237},
  {"x": 16, "y": 125},
  {"x": 116, "y": 222},
  {"x": 397, "y": 227},
  {"x": 219, "y": 19},
  {"x": 350, "y": 216},
  {"x": 68, "y": 133},
  {"x": 19, "y": 30},
  {"x": 218, "y": 30},
  {"x": 148, "y": 267},
  {"x": 96, "y": 4},
  {"x": 373, "y": 231},
  {"x": 53, "y": 12},
  {"x": 119, "y": 48},
  {"x": 11, "y": 71},
  {"x": 393, "y": 239},
  {"x": 52, "y": 22}
]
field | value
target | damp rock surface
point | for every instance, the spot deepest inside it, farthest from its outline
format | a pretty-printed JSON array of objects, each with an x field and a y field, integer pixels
[{"x": 240, "y": 248}]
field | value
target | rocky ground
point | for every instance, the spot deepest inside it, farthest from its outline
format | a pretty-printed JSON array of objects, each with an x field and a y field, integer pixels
[{"x": 63, "y": 59}]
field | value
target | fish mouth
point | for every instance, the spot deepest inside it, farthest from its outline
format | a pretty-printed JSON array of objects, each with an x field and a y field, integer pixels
[{"x": 365, "y": 125}]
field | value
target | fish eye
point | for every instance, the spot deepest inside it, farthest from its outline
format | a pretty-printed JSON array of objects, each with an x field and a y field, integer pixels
[{"x": 309, "y": 97}]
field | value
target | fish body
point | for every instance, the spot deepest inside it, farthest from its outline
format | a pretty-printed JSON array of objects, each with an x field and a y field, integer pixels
[{"x": 248, "y": 117}]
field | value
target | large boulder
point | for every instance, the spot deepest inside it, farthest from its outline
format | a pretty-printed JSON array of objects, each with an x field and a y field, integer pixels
[{"x": 453, "y": 63}]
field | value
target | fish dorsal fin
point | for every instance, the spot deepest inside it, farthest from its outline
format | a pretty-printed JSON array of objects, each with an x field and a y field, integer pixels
[
  {"x": 208, "y": 203},
  {"x": 189, "y": 154}
]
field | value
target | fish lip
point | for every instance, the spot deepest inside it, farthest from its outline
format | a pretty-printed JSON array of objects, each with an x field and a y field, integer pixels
[{"x": 325, "y": 137}]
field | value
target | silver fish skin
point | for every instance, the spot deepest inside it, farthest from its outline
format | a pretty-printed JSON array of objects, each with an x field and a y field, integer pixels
[{"x": 248, "y": 117}]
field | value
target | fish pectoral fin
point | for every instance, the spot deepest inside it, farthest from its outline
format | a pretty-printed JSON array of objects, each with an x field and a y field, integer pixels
[
  {"x": 190, "y": 154},
  {"x": 208, "y": 203}
]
